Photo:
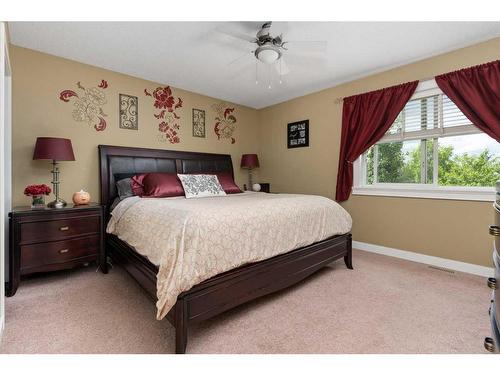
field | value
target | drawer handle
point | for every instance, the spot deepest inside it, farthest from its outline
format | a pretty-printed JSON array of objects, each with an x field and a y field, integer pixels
[
  {"x": 494, "y": 230},
  {"x": 63, "y": 251},
  {"x": 64, "y": 228},
  {"x": 492, "y": 283},
  {"x": 489, "y": 344}
]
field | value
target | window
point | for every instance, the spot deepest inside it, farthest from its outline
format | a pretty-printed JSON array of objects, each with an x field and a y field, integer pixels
[{"x": 431, "y": 151}]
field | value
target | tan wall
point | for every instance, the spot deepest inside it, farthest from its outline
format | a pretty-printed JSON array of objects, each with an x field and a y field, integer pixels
[
  {"x": 37, "y": 111},
  {"x": 449, "y": 229}
]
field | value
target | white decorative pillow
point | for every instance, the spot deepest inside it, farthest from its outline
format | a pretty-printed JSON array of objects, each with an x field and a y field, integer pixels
[{"x": 201, "y": 185}]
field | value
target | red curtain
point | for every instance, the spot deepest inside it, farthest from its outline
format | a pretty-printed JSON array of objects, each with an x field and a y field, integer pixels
[
  {"x": 365, "y": 119},
  {"x": 476, "y": 92}
]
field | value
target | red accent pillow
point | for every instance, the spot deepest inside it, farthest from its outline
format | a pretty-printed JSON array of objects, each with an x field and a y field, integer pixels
[
  {"x": 160, "y": 185},
  {"x": 138, "y": 184},
  {"x": 227, "y": 183}
]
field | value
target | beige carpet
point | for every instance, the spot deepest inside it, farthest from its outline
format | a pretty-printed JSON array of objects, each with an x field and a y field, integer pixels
[{"x": 384, "y": 305}]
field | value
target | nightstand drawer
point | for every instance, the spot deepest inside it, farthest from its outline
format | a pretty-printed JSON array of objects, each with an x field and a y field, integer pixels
[
  {"x": 42, "y": 254},
  {"x": 58, "y": 229}
]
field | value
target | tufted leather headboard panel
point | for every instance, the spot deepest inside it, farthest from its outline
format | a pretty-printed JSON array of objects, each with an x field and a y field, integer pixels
[{"x": 119, "y": 162}]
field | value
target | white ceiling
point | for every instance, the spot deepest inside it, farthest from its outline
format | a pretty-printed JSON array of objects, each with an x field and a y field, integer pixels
[{"x": 195, "y": 55}]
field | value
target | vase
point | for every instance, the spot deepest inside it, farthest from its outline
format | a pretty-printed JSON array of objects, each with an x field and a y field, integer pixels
[{"x": 37, "y": 201}]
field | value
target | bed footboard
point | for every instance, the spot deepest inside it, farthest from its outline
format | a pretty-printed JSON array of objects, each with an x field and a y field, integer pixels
[{"x": 234, "y": 287}]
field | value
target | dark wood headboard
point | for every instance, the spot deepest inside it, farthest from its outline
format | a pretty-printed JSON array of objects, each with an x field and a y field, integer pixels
[{"x": 128, "y": 161}]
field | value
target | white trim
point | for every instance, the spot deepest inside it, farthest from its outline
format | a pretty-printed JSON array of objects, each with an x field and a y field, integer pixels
[
  {"x": 5, "y": 160},
  {"x": 426, "y": 259},
  {"x": 427, "y": 191},
  {"x": 3, "y": 74},
  {"x": 429, "y": 84},
  {"x": 426, "y": 88}
]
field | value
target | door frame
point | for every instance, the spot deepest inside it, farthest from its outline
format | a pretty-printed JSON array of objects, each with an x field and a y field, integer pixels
[{"x": 5, "y": 159}]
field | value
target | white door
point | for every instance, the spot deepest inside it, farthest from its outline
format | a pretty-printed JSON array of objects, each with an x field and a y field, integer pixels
[{"x": 5, "y": 161}]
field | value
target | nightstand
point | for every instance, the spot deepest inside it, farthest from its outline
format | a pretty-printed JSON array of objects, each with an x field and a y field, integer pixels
[{"x": 51, "y": 239}]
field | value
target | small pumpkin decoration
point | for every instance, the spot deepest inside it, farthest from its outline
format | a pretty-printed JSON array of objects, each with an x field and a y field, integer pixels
[{"x": 81, "y": 197}]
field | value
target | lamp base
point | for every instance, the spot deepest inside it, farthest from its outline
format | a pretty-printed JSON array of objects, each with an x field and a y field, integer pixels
[{"x": 58, "y": 203}]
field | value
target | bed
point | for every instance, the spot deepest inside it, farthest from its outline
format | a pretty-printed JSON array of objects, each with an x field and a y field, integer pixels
[{"x": 212, "y": 295}]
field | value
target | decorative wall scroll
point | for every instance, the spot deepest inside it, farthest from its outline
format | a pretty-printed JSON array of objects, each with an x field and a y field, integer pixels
[
  {"x": 88, "y": 105},
  {"x": 198, "y": 123},
  {"x": 224, "y": 121},
  {"x": 166, "y": 104},
  {"x": 129, "y": 112},
  {"x": 298, "y": 134}
]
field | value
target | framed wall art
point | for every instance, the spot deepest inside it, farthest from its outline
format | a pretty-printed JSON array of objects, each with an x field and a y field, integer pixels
[
  {"x": 298, "y": 134},
  {"x": 129, "y": 112},
  {"x": 198, "y": 123}
]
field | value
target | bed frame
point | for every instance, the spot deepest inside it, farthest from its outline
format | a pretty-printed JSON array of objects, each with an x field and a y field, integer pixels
[{"x": 226, "y": 290}]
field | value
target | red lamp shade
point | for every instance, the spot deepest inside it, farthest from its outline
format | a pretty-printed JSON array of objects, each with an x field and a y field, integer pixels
[
  {"x": 249, "y": 161},
  {"x": 59, "y": 149}
]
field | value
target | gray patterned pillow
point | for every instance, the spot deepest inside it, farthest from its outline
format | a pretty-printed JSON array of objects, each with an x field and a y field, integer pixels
[
  {"x": 201, "y": 185},
  {"x": 124, "y": 188}
]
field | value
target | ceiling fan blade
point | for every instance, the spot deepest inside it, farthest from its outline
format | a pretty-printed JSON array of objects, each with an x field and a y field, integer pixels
[
  {"x": 297, "y": 60},
  {"x": 245, "y": 72},
  {"x": 282, "y": 67},
  {"x": 307, "y": 45},
  {"x": 280, "y": 28},
  {"x": 236, "y": 34},
  {"x": 239, "y": 58},
  {"x": 265, "y": 29}
]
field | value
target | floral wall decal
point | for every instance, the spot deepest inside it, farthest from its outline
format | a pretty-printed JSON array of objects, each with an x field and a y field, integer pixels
[
  {"x": 166, "y": 105},
  {"x": 88, "y": 105},
  {"x": 224, "y": 121}
]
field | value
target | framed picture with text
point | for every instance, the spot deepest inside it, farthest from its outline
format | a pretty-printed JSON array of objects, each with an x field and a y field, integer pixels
[{"x": 298, "y": 134}]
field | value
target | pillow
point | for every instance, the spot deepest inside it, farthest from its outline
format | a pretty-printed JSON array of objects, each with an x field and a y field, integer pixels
[
  {"x": 121, "y": 176},
  {"x": 160, "y": 185},
  {"x": 138, "y": 184},
  {"x": 124, "y": 188},
  {"x": 227, "y": 183},
  {"x": 201, "y": 185},
  {"x": 114, "y": 204}
]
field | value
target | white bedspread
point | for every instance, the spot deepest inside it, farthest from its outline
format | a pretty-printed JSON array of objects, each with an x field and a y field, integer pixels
[{"x": 192, "y": 240}]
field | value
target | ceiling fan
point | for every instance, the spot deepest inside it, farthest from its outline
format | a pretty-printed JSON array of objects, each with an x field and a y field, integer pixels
[{"x": 271, "y": 50}]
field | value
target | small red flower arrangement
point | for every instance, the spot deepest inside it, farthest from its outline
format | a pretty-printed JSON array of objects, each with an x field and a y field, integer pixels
[
  {"x": 36, "y": 192},
  {"x": 32, "y": 190}
]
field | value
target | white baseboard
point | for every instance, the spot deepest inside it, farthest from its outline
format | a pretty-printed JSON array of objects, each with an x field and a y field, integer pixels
[{"x": 426, "y": 259}]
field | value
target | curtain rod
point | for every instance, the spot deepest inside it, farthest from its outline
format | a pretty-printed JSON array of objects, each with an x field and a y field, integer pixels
[{"x": 341, "y": 98}]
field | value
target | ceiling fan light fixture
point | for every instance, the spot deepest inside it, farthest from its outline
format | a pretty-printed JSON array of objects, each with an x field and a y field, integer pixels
[{"x": 267, "y": 54}]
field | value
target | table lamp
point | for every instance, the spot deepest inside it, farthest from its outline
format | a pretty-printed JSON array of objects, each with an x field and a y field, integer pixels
[
  {"x": 249, "y": 161},
  {"x": 55, "y": 149}
]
